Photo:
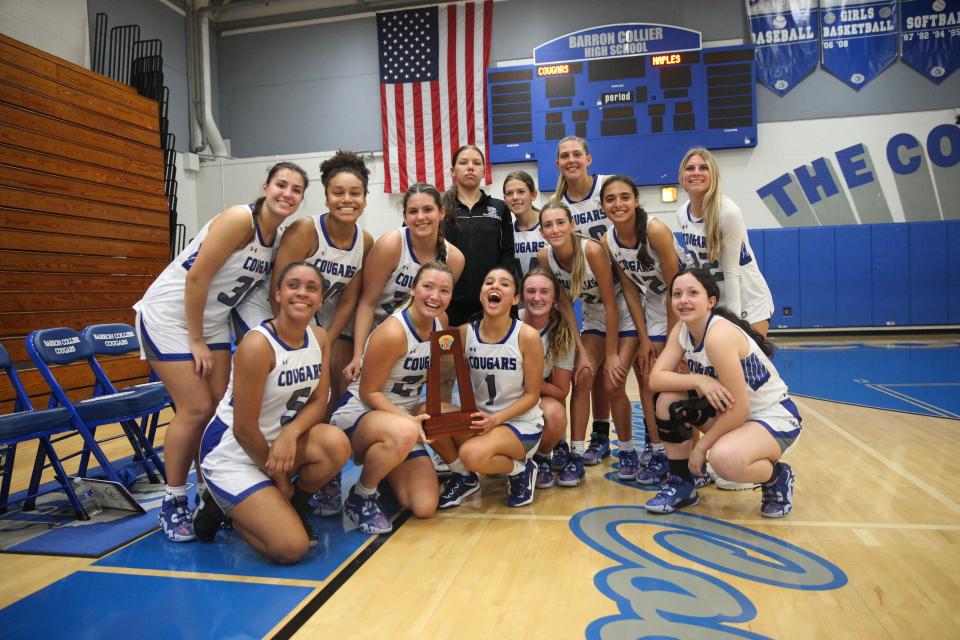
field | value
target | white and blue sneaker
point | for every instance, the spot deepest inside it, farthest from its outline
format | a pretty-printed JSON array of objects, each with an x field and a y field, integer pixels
[
  {"x": 520, "y": 486},
  {"x": 176, "y": 520},
  {"x": 629, "y": 464},
  {"x": 597, "y": 450},
  {"x": 545, "y": 475},
  {"x": 573, "y": 473},
  {"x": 366, "y": 513},
  {"x": 777, "y": 498},
  {"x": 646, "y": 455},
  {"x": 326, "y": 501},
  {"x": 656, "y": 470},
  {"x": 675, "y": 493},
  {"x": 560, "y": 456},
  {"x": 458, "y": 488},
  {"x": 703, "y": 479}
]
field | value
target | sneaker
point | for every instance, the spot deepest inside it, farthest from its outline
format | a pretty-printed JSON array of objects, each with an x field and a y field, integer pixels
[
  {"x": 647, "y": 454},
  {"x": 597, "y": 450},
  {"x": 674, "y": 494},
  {"x": 457, "y": 488},
  {"x": 545, "y": 477},
  {"x": 520, "y": 486},
  {"x": 176, "y": 520},
  {"x": 573, "y": 473},
  {"x": 208, "y": 518},
  {"x": 777, "y": 498},
  {"x": 326, "y": 502},
  {"x": 560, "y": 456},
  {"x": 629, "y": 464},
  {"x": 366, "y": 513},
  {"x": 703, "y": 479},
  {"x": 656, "y": 470}
]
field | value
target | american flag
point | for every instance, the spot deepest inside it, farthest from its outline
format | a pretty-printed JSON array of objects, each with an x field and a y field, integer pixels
[{"x": 432, "y": 89}]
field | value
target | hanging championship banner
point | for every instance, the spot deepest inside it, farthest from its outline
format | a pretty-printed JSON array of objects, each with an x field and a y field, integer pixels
[
  {"x": 858, "y": 38},
  {"x": 786, "y": 35},
  {"x": 931, "y": 37}
]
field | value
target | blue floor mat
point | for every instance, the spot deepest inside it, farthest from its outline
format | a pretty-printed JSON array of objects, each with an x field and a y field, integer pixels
[{"x": 102, "y": 605}]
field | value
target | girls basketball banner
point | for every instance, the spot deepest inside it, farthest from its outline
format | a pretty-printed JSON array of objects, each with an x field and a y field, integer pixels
[
  {"x": 931, "y": 37},
  {"x": 786, "y": 35},
  {"x": 858, "y": 39}
]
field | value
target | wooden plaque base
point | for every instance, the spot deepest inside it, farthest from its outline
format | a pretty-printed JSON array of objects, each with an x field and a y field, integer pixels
[{"x": 444, "y": 425}]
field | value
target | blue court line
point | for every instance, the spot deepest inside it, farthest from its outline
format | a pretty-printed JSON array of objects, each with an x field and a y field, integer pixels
[{"x": 97, "y": 605}]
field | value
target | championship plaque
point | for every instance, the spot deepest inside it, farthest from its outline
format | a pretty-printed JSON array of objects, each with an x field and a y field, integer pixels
[{"x": 445, "y": 344}]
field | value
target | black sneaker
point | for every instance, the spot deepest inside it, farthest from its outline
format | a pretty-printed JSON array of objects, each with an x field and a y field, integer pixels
[
  {"x": 208, "y": 518},
  {"x": 301, "y": 504},
  {"x": 457, "y": 488}
]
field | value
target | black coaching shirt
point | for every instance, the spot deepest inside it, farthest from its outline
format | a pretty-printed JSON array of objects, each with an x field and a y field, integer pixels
[{"x": 484, "y": 233}]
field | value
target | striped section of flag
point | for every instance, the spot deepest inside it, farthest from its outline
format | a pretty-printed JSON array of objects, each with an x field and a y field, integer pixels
[{"x": 432, "y": 89}]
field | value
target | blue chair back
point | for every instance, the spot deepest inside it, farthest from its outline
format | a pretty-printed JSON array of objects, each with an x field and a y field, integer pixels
[
  {"x": 58, "y": 346},
  {"x": 114, "y": 339}
]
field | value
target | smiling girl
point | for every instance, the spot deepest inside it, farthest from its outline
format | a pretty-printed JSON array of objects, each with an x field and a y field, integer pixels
[
  {"x": 734, "y": 395},
  {"x": 506, "y": 367},
  {"x": 267, "y": 428},
  {"x": 182, "y": 322},
  {"x": 382, "y": 413}
]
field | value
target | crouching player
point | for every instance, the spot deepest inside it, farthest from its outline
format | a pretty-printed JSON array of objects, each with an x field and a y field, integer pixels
[
  {"x": 506, "y": 368},
  {"x": 267, "y": 429},
  {"x": 733, "y": 394}
]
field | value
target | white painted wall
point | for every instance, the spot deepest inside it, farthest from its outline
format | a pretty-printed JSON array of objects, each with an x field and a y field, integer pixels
[
  {"x": 783, "y": 147},
  {"x": 63, "y": 33}
]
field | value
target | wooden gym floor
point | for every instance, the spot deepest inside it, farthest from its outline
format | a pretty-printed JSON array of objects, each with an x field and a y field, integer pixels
[{"x": 871, "y": 550}]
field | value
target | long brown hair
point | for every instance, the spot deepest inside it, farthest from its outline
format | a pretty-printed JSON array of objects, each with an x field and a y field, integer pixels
[
  {"x": 709, "y": 283},
  {"x": 710, "y": 209},
  {"x": 578, "y": 271},
  {"x": 430, "y": 190},
  {"x": 640, "y": 222},
  {"x": 560, "y": 339}
]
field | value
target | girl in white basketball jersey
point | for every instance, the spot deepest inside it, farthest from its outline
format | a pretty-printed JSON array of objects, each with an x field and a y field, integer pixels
[
  {"x": 715, "y": 238},
  {"x": 647, "y": 253},
  {"x": 580, "y": 191},
  {"x": 733, "y": 394},
  {"x": 336, "y": 244},
  {"x": 267, "y": 428},
  {"x": 182, "y": 321},
  {"x": 541, "y": 292},
  {"x": 609, "y": 335},
  {"x": 394, "y": 261},
  {"x": 520, "y": 192},
  {"x": 382, "y": 412},
  {"x": 506, "y": 368}
]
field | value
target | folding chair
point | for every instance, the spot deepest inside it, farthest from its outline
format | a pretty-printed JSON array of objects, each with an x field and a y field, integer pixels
[
  {"x": 63, "y": 346},
  {"x": 120, "y": 339},
  {"x": 27, "y": 423}
]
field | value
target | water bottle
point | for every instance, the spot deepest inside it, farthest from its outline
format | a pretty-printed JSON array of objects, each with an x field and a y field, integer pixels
[{"x": 88, "y": 500}]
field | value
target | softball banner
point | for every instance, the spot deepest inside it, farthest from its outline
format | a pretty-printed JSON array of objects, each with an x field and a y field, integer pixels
[
  {"x": 931, "y": 37},
  {"x": 786, "y": 35},
  {"x": 858, "y": 38}
]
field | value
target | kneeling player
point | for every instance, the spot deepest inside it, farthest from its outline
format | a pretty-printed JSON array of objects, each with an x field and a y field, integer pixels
[
  {"x": 733, "y": 394},
  {"x": 267, "y": 429}
]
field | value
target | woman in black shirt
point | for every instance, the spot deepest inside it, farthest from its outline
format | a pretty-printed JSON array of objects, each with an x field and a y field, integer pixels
[{"x": 480, "y": 226}]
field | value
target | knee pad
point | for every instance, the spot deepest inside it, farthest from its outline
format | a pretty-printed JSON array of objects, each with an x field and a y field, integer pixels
[
  {"x": 694, "y": 411},
  {"x": 673, "y": 431}
]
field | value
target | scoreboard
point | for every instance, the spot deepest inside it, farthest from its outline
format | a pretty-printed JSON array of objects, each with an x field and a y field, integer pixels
[{"x": 639, "y": 113}]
